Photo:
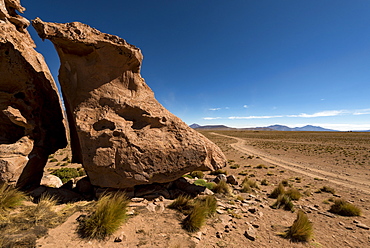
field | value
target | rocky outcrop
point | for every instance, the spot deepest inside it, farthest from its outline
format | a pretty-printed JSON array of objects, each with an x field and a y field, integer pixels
[
  {"x": 31, "y": 118},
  {"x": 119, "y": 132}
]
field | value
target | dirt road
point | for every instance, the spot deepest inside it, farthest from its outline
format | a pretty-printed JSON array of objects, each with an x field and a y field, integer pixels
[{"x": 305, "y": 169}]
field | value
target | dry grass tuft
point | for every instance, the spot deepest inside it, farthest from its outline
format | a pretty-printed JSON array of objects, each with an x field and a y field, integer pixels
[
  {"x": 294, "y": 194},
  {"x": 196, "y": 219},
  {"x": 345, "y": 208},
  {"x": 198, "y": 174},
  {"x": 109, "y": 214},
  {"x": 182, "y": 203},
  {"x": 301, "y": 230},
  {"x": 284, "y": 201},
  {"x": 279, "y": 190},
  {"x": 9, "y": 197},
  {"x": 222, "y": 187}
]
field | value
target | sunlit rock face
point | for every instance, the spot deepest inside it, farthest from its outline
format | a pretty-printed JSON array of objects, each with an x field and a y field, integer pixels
[
  {"x": 31, "y": 117},
  {"x": 119, "y": 132}
]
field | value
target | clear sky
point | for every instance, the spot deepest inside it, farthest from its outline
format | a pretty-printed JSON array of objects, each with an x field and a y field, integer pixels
[{"x": 241, "y": 63}]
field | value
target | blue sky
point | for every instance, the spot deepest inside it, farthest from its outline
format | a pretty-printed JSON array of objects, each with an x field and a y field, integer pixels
[{"x": 242, "y": 63}]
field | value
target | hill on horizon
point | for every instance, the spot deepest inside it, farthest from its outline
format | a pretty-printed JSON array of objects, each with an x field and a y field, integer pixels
[{"x": 268, "y": 128}]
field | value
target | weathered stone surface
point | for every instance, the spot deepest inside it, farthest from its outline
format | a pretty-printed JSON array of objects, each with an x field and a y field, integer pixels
[
  {"x": 31, "y": 118},
  {"x": 51, "y": 181},
  {"x": 119, "y": 132}
]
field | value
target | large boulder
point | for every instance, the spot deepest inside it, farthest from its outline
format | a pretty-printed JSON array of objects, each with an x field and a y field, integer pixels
[
  {"x": 119, "y": 132},
  {"x": 31, "y": 117}
]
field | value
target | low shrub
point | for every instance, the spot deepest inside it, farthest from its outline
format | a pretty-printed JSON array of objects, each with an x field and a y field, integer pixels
[
  {"x": 181, "y": 203},
  {"x": 284, "y": 201},
  {"x": 9, "y": 197},
  {"x": 43, "y": 210},
  {"x": 261, "y": 166},
  {"x": 235, "y": 166},
  {"x": 53, "y": 160},
  {"x": 210, "y": 202},
  {"x": 198, "y": 174},
  {"x": 344, "y": 208},
  {"x": 327, "y": 189},
  {"x": 301, "y": 230},
  {"x": 196, "y": 218},
  {"x": 217, "y": 172},
  {"x": 204, "y": 183},
  {"x": 294, "y": 194},
  {"x": 222, "y": 187},
  {"x": 279, "y": 190},
  {"x": 285, "y": 182},
  {"x": 264, "y": 182},
  {"x": 109, "y": 214},
  {"x": 243, "y": 173},
  {"x": 66, "y": 174}
]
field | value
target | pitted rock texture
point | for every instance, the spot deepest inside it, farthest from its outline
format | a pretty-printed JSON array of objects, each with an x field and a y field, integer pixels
[
  {"x": 31, "y": 117},
  {"x": 119, "y": 132}
]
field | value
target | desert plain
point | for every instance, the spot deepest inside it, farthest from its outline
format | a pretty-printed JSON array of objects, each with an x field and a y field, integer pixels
[{"x": 307, "y": 161}]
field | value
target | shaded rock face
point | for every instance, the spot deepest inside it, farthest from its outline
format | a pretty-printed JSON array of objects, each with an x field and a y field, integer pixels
[
  {"x": 31, "y": 118},
  {"x": 119, "y": 132}
]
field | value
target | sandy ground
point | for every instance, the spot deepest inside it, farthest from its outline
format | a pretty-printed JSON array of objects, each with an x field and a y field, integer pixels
[{"x": 151, "y": 224}]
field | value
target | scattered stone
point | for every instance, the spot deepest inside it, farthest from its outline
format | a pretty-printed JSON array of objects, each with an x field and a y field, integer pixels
[
  {"x": 250, "y": 233},
  {"x": 252, "y": 210},
  {"x": 220, "y": 177},
  {"x": 363, "y": 226},
  {"x": 51, "y": 181},
  {"x": 255, "y": 225},
  {"x": 232, "y": 180},
  {"x": 137, "y": 199},
  {"x": 327, "y": 214},
  {"x": 120, "y": 238},
  {"x": 84, "y": 186},
  {"x": 356, "y": 221}
]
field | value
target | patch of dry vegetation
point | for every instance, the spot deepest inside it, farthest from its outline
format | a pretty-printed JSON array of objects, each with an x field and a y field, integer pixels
[
  {"x": 109, "y": 214},
  {"x": 301, "y": 230},
  {"x": 345, "y": 208}
]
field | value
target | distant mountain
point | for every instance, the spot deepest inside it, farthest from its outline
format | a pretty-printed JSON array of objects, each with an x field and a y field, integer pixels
[
  {"x": 194, "y": 125},
  {"x": 269, "y": 128},
  {"x": 280, "y": 128},
  {"x": 305, "y": 128}
]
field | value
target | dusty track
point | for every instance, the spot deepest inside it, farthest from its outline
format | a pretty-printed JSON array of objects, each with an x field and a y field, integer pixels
[{"x": 304, "y": 169}]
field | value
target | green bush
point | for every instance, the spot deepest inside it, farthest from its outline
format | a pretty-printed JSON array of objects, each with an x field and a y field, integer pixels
[
  {"x": 344, "y": 208},
  {"x": 301, "y": 230},
  {"x": 53, "y": 160},
  {"x": 261, "y": 166},
  {"x": 9, "y": 197},
  {"x": 279, "y": 190},
  {"x": 65, "y": 174},
  {"x": 198, "y": 174},
  {"x": 109, "y": 215},
  {"x": 204, "y": 183}
]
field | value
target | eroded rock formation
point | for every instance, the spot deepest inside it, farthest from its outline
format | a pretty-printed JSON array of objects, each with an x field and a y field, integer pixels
[
  {"x": 31, "y": 118},
  {"x": 119, "y": 132}
]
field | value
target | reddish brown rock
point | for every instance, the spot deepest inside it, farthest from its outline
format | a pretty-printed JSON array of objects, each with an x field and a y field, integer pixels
[
  {"x": 31, "y": 118},
  {"x": 119, "y": 132}
]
